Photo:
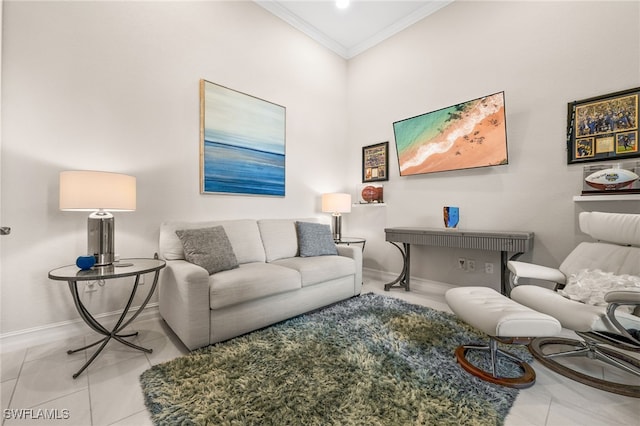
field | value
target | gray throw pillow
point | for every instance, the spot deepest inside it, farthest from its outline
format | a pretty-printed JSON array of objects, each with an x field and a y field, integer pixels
[
  {"x": 209, "y": 248},
  {"x": 315, "y": 239}
]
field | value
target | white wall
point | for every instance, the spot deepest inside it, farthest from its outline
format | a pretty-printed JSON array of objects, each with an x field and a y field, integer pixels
[
  {"x": 543, "y": 55},
  {"x": 114, "y": 86}
]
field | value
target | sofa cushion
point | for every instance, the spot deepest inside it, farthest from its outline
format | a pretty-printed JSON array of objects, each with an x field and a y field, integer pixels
[
  {"x": 279, "y": 238},
  {"x": 315, "y": 239},
  {"x": 243, "y": 235},
  {"x": 209, "y": 248},
  {"x": 319, "y": 269},
  {"x": 249, "y": 282}
]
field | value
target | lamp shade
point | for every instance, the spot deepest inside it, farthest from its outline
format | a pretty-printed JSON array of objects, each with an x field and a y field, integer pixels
[
  {"x": 336, "y": 203},
  {"x": 92, "y": 190}
]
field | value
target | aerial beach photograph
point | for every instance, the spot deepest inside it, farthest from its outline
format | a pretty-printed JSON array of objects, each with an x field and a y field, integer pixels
[{"x": 467, "y": 135}]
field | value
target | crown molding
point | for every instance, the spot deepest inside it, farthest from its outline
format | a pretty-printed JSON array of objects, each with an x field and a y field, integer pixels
[
  {"x": 398, "y": 26},
  {"x": 300, "y": 24}
]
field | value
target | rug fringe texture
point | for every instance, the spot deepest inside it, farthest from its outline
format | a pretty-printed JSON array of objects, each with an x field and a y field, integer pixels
[{"x": 370, "y": 360}]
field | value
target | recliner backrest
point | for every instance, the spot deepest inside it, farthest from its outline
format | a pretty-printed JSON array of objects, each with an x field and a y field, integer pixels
[
  {"x": 616, "y": 228},
  {"x": 617, "y": 259},
  {"x": 617, "y": 245}
]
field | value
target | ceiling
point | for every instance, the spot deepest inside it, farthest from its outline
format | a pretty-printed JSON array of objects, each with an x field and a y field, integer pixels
[{"x": 351, "y": 31}]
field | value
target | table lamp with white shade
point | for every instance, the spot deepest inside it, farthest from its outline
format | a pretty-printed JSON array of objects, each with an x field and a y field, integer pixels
[
  {"x": 100, "y": 193},
  {"x": 336, "y": 203}
]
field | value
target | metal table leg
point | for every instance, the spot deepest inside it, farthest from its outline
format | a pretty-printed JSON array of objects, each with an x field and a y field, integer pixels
[
  {"x": 120, "y": 324},
  {"x": 404, "y": 278}
]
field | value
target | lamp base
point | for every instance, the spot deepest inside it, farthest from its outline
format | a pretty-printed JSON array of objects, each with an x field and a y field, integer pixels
[
  {"x": 337, "y": 226},
  {"x": 100, "y": 245}
]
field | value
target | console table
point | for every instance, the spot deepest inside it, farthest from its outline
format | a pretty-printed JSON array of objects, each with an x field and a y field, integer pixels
[
  {"x": 124, "y": 268},
  {"x": 502, "y": 241}
]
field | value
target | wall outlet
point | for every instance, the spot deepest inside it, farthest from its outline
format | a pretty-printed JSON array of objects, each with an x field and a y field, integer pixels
[
  {"x": 462, "y": 263},
  {"x": 141, "y": 281},
  {"x": 471, "y": 265},
  {"x": 90, "y": 287},
  {"x": 488, "y": 268}
]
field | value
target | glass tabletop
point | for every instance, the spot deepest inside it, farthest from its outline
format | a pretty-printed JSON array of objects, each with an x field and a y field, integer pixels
[
  {"x": 123, "y": 268},
  {"x": 350, "y": 240}
]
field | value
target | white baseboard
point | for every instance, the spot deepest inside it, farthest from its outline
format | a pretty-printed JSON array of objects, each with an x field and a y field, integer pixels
[
  {"x": 418, "y": 284},
  {"x": 22, "y": 339}
]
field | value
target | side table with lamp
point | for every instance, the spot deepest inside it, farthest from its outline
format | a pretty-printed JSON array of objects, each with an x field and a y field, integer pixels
[
  {"x": 125, "y": 268},
  {"x": 102, "y": 193},
  {"x": 336, "y": 204}
]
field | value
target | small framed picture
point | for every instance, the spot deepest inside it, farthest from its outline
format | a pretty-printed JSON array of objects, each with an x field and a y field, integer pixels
[
  {"x": 603, "y": 128},
  {"x": 375, "y": 162}
]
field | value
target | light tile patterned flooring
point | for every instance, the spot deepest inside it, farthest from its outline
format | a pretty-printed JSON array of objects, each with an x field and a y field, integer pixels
[{"x": 108, "y": 392}]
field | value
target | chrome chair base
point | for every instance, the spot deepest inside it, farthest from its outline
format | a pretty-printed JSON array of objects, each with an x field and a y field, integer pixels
[
  {"x": 525, "y": 380},
  {"x": 591, "y": 349}
]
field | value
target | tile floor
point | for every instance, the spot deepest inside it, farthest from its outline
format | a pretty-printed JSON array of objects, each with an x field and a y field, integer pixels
[{"x": 108, "y": 392}]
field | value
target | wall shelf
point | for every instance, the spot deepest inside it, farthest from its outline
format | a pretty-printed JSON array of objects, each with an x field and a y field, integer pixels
[
  {"x": 369, "y": 204},
  {"x": 621, "y": 197}
]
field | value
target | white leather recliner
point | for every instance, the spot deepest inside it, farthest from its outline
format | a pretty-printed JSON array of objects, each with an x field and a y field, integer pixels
[{"x": 615, "y": 256}]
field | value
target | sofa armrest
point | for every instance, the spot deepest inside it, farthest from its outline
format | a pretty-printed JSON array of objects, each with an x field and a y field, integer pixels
[
  {"x": 355, "y": 253},
  {"x": 539, "y": 272},
  {"x": 184, "y": 301}
]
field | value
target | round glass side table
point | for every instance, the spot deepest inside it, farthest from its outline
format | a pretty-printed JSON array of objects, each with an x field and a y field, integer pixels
[
  {"x": 351, "y": 240},
  {"x": 122, "y": 269}
]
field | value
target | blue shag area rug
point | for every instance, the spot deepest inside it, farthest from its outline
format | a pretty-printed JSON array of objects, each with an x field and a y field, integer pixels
[{"x": 369, "y": 360}]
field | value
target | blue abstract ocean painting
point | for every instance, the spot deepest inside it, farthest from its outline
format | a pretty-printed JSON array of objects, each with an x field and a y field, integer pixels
[{"x": 243, "y": 143}]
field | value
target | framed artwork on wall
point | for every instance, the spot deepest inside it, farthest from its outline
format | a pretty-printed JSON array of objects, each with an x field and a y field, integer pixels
[
  {"x": 375, "y": 162},
  {"x": 467, "y": 135},
  {"x": 603, "y": 128},
  {"x": 242, "y": 143}
]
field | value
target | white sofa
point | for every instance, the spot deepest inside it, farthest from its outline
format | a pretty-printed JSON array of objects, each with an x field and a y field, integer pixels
[{"x": 271, "y": 284}]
